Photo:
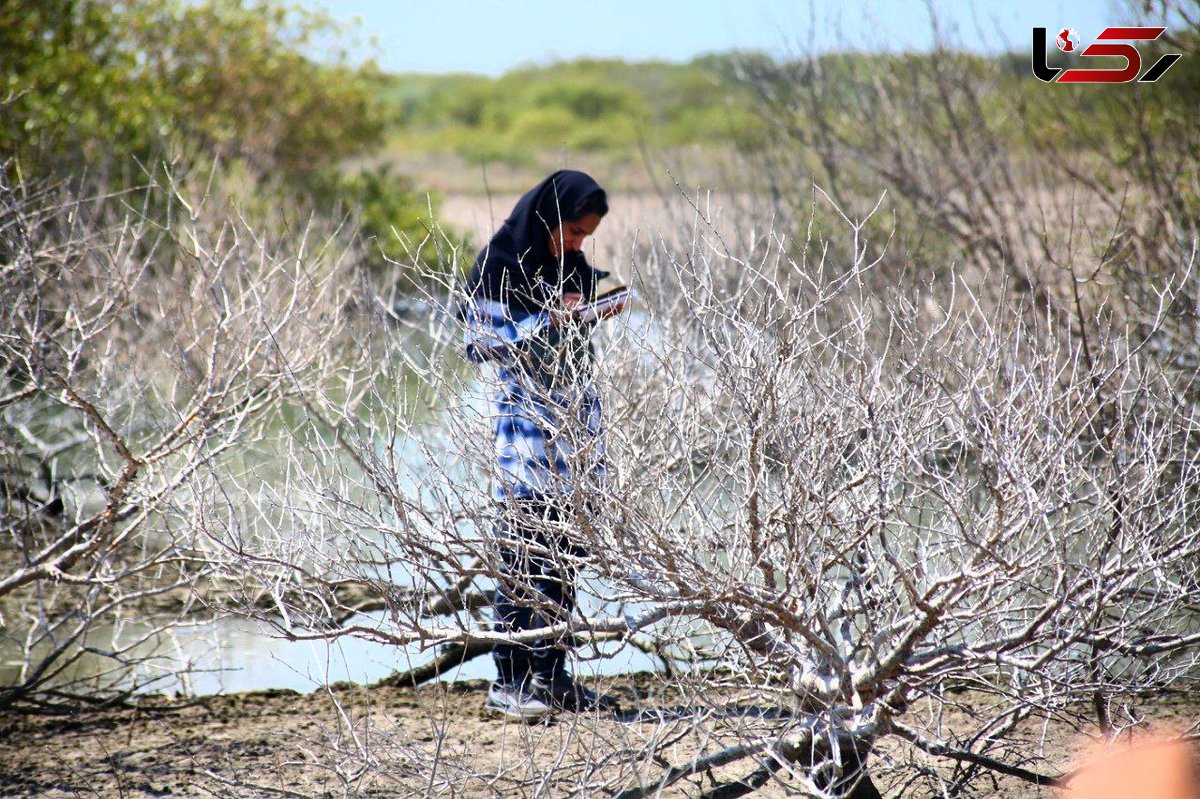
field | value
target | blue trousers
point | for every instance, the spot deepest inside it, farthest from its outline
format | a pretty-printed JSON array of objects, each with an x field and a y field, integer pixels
[{"x": 535, "y": 590}]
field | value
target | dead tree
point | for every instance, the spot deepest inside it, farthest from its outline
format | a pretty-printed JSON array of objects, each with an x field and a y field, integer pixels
[{"x": 897, "y": 531}]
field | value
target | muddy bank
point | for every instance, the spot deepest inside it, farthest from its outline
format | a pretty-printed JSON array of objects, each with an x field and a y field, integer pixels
[{"x": 434, "y": 740}]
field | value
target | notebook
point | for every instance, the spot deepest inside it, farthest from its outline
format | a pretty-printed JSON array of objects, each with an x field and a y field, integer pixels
[{"x": 611, "y": 296}]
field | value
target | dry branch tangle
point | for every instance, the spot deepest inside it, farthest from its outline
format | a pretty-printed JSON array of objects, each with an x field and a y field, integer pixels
[
  {"x": 844, "y": 499},
  {"x": 142, "y": 347},
  {"x": 866, "y": 498}
]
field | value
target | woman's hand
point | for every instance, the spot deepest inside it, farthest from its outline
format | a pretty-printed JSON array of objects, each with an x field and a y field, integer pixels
[
  {"x": 571, "y": 301},
  {"x": 611, "y": 310}
]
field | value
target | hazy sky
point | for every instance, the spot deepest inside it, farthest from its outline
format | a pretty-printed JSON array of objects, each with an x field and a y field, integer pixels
[{"x": 492, "y": 36}]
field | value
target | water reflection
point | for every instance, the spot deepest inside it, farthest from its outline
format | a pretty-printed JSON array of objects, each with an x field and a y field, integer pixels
[
  {"x": 236, "y": 654},
  {"x": 244, "y": 655},
  {"x": 230, "y": 655}
]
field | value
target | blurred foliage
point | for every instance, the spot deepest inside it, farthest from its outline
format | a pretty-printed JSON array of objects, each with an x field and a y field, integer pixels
[
  {"x": 85, "y": 80},
  {"x": 717, "y": 100},
  {"x": 1085, "y": 197},
  {"x": 859, "y": 122},
  {"x": 1148, "y": 130},
  {"x": 106, "y": 88},
  {"x": 397, "y": 221},
  {"x": 109, "y": 89},
  {"x": 587, "y": 105},
  {"x": 72, "y": 84}
]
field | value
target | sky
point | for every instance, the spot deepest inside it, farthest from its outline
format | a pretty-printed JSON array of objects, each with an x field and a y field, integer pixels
[{"x": 491, "y": 37}]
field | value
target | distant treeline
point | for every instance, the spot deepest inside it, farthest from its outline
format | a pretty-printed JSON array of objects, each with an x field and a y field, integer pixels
[
  {"x": 83, "y": 82},
  {"x": 599, "y": 105},
  {"x": 582, "y": 105},
  {"x": 109, "y": 90}
]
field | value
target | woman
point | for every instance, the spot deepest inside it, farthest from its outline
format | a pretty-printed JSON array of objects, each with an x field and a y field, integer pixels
[{"x": 527, "y": 292}]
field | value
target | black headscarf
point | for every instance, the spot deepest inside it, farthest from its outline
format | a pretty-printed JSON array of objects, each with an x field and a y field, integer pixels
[{"x": 517, "y": 267}]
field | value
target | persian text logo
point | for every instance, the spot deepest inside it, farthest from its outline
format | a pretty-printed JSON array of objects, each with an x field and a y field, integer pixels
[{"x": 1112, "y": 42}]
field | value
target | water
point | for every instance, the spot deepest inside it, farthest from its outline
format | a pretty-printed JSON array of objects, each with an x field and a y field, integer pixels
[
  {"x": 240, "y": 655},
  {"x": 231, "y": 654}
]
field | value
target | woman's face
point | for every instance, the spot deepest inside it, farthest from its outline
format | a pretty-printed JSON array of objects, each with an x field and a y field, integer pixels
[{"x": 569, "y": 236}]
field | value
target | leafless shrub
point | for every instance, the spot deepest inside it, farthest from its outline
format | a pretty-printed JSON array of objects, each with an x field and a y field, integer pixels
[
  {"x": 830, "y": 505},
  {"x": 148, "y": 337},
  {"x": 1082, "y": 197}
]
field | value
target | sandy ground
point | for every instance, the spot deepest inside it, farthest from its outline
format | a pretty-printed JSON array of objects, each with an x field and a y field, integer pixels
[
  {"x": 381, "y": 741},
  {"x": 386, "y": 741}
]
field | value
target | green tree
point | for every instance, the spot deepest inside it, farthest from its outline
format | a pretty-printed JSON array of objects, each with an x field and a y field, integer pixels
[
  {"x": 89, "y": 82},
  {"x": 243, "y": 86},
  {"x": 72, "y": 83}
]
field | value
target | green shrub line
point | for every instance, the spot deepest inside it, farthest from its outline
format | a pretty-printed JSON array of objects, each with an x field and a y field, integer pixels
[
  {"x": 109, "y": 91},
  {"x": 105, "y": 94}
]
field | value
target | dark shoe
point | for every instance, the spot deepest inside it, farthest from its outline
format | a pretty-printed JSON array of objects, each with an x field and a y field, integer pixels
[
  {"x": 516, "y": 702},
  {"x": 563, "y": 692}
]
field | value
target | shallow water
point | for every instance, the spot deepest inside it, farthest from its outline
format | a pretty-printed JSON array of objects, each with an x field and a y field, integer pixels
[{"x": 232, "y": 655}]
